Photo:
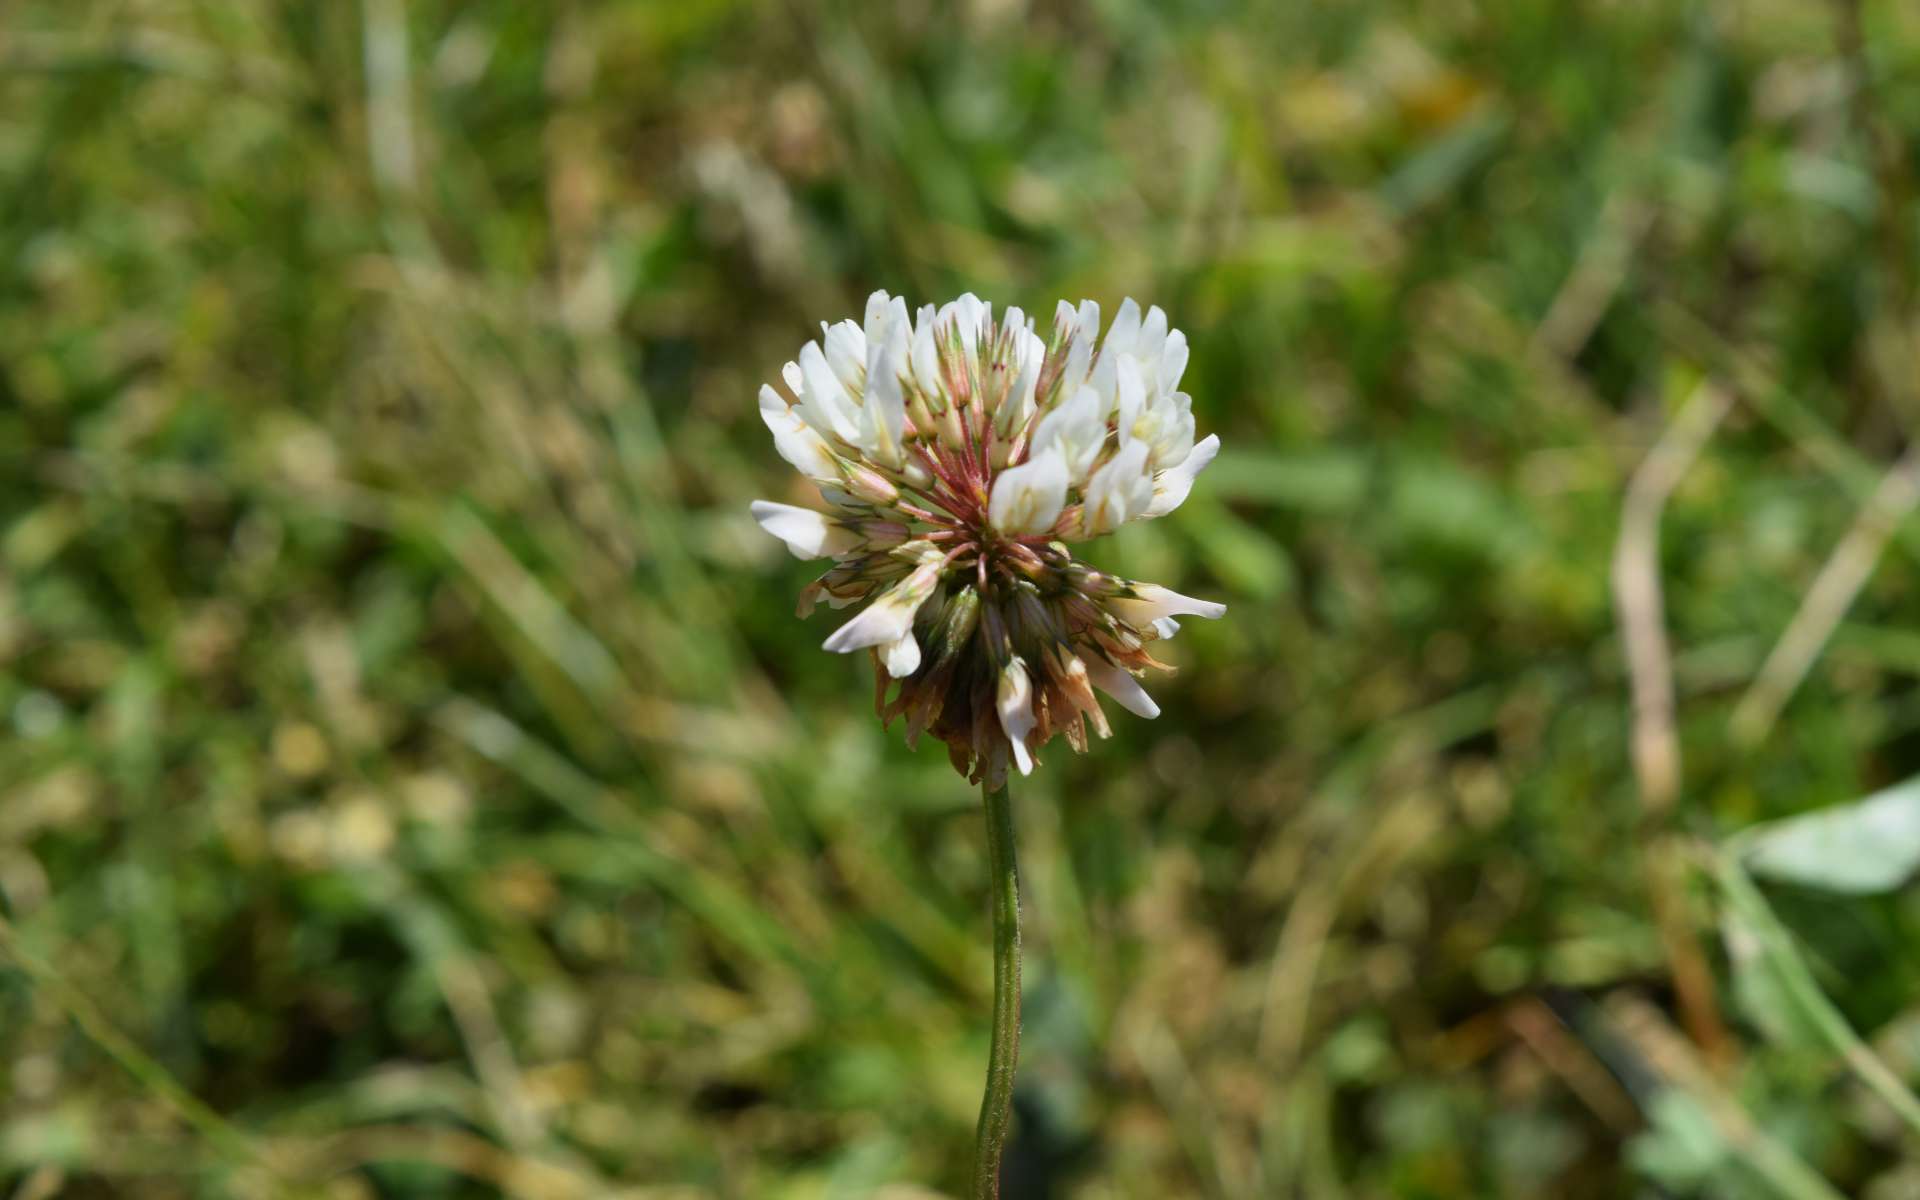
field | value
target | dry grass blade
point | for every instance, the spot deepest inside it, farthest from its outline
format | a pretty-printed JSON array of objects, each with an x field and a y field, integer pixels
[
  {"x": 1637, "y": 592},
  {"x": 1655, "y": 744},
  {"x": 1834, "y": 589}
]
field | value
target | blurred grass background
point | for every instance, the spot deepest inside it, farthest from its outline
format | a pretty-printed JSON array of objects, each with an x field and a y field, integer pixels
[{"x": 415, "y": 783}]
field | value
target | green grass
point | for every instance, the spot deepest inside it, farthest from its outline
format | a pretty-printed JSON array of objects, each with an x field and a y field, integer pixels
[{"x": 414, "y": 782}]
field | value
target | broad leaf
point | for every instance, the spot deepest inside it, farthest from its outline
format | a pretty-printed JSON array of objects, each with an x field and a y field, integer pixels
[{"x": 1871, "y": 846}]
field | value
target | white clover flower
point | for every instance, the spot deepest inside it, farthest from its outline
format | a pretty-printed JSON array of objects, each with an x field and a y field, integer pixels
[{"x": 960, "y": 456}]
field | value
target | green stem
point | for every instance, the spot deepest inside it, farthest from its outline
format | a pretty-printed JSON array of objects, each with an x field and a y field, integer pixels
[
  {"x": 996, "y": 1108},
  {"x": 1793, "y": 975}
]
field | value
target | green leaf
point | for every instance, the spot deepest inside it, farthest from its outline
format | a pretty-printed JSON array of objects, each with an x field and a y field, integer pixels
[
  {"x": 1682, "y": 1147},
  {"x": 1859, "y": 849}
]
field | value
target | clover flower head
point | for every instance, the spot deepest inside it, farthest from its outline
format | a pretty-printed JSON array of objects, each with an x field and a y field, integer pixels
[{"x": 961, "y": 457}]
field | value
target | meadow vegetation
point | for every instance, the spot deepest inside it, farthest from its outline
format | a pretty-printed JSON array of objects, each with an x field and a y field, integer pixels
[{"x": 414, "y": 781}]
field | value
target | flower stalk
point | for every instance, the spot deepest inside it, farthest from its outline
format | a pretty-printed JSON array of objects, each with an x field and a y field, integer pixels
[
  {"x": 960, "y": 458},
  {"x": 996, "y": 1107}
]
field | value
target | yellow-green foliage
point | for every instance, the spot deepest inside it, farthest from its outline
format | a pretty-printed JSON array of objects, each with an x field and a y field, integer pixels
[{"x": 413, "y": 780}]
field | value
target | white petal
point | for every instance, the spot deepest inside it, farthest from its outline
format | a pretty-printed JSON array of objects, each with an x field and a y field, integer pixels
[
  {"x": 1165, "y": 627},
  {"x": 1173, "y": 362},
  {"x": 899, "y": 330},
  {"x": 1077, "y": 429},
  {"x": 1080, "y": 352},
  {"x": 884, "y": 421},
  {"x": 1012, "y": 321},
  {"x": 1130, "y": 393},
  {"x": 1090, "y": 320},
  {"x": 1125, "y": 329},
  {"x": 1118, "y": 491},
  {"x": 890, "y": 617},
  {"x": 878, "y": 624},
  {"x": 825, "y": 404},
  {"x": 846, "y": 353},
  {"x": 924, "y": 356},
  {"x": 876, "y": 317},
  {"x": 1065, "y": 320},
  {"x": 1172, "y": 439},
  {"x": 1028, "y": 498},
  {"x": 796, "y": 441},
  {"x": 1150, "y": 602},
  {"x": 1171, "y": 486},
  {"x": 902, "y": 657},
  {"x": 808, "y": 534},
  {"x": 1017, "y": 409},
  {"x": 1014, "y": 702},
  {"x": 796, "y": 382},
  {"x": 1153, "y": 335},
  {"x": 968, "y": 315},
  {"x": 1105, "y": 381},
  {"x": 1122, "y": 686},
  {"x": 1165, "y": 423}
]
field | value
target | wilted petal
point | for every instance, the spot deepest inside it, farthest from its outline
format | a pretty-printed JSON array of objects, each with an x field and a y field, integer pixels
[
  {"x": 1150, "y": 602},
  {"x": 1122, "y": 686},
  {"x": 1070, "y": 675},
  {"x": 1171, "y": 486},
  {"x": 808, "y": 534},
  {"x": 1014, "y": 702},
  {"x": 1028, "y": 498}
]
